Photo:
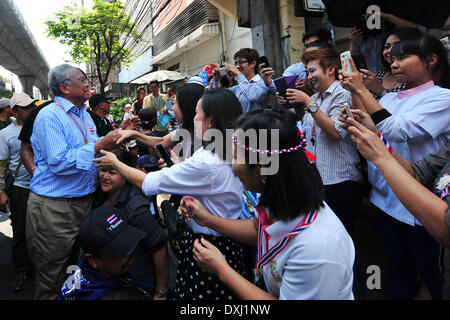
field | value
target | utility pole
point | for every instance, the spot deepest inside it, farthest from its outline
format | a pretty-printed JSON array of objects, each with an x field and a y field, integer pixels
[{"x": 266, "y": 36}]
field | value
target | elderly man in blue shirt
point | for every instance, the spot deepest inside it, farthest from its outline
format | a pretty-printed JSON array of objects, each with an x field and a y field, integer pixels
[
  {"x": 251, "y": 90},
  {"x": 65, "y": 142}
]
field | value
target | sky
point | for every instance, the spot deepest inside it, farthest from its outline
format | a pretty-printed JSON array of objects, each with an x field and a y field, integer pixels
[{"x": 35, "y": 12}]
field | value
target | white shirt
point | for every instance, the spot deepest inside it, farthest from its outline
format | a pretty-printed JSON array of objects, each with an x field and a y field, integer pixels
[
  {"x": 207, "y": 178},
  {"x": 317, "y": 264},
  {"x": 419, "y": 125}
]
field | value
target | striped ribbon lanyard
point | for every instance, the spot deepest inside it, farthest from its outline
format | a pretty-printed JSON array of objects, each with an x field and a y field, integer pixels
[
  {"x": 83, "y": 133},
  {"x": 266, "y": 254}
]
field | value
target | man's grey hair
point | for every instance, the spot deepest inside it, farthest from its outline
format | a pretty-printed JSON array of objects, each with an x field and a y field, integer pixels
[{"x": 58, "y": 75}]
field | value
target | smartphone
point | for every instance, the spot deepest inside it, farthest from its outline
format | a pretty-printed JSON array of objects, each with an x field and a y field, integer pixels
[
  {"x": 281, "y": 85},
  {"x": 347, "y": 110},
  {"x": 264, "y": 60},
  {"x": 345, "y": 61},
  {"x": 359, "y": 61},
  {"x": 222, "y": 71},
  {"x": 162, "y": 154}
]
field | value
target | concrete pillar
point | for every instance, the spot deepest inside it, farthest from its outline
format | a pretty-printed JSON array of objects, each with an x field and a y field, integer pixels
[
  {"x": 45, "y": 93},
  {"x": 27, "y": 84}
]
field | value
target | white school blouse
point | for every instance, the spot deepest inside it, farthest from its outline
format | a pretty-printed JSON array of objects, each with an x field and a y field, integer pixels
[
  {"x": 317, "y": 264},
  {"x": 207, "y": 178},
  {"x": 419, "y": 125}
]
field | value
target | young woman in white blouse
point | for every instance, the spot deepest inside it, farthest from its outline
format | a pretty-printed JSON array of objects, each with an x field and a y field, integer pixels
[
  {"x": 415, "y": 121},
  {"x": 183, "y": 106},
  {"x": 303, "y": 250},
  {"x": 207, "y": 176}
]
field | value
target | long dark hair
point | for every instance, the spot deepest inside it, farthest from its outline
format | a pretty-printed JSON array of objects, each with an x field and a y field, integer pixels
[
  {"x": 187, "y": 97},
  {"x": 297, "y": 187},
  {"x": 425, "y": 46},
  {"x": 148, "y": 117},
  {"x": 224, "y": 108}
]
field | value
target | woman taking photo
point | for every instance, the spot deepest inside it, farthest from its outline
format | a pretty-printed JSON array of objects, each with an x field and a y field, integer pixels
[
  {"x": 383, "y": 82},
  {"x": 337, "y": 157},
  {"x": 304, "y": 251},
  {"x": 415, "y": 122},
  {"x": 207, "y": 176}
]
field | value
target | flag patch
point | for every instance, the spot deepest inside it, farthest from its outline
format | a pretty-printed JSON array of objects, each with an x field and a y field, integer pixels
[{"x": 112, "y": 219}]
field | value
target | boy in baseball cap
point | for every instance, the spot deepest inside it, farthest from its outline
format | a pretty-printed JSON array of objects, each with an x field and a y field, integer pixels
[{"x": 108, "y": 241}]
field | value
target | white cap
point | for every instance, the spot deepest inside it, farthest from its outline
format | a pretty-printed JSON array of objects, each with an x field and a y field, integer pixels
[
  {"x": 21, "y": 100},
  {"x": 197, "y": 80}
]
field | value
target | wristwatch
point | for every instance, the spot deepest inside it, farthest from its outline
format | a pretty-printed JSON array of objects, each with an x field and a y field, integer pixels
[
  {"x": 312, "y": 108},
  {"x": 160, "y": 293}
]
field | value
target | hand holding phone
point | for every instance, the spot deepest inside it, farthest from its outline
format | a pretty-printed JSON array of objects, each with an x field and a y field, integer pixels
[
  {"x": 347, "y": 110},
  {"x": 345, "y": 62},
  {"x": 264, "y": 60},
  {"x": 162, "y": 154},
  {"x": 222, "y": 71}
]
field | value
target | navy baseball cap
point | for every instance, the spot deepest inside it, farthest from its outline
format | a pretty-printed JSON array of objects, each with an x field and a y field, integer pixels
[
  {"x": 147, "y": 161},
  {"x": 96, "y": 99},
  {"x": 106, "y": 231}
]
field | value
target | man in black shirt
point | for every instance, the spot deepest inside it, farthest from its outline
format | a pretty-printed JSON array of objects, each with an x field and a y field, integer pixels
[
  {"x": 26, "y": 151},
  {"x": 99, "y": 109}
]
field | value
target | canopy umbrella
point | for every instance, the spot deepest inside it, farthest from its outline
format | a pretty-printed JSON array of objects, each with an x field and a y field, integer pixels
[
  {"x": 429, "y": 13},
  {"x": 161, "y": 76}
]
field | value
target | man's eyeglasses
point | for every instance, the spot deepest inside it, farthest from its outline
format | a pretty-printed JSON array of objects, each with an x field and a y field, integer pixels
[
  {"x": 239, "y": 62},
  {"x": 84, "y": 81}
]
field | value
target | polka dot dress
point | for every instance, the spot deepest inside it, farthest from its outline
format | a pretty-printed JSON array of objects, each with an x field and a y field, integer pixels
[{"x": 194, "y": 284}]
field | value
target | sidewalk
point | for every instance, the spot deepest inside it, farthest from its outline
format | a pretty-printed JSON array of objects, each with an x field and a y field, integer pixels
[{"x": 6, "y": 267}]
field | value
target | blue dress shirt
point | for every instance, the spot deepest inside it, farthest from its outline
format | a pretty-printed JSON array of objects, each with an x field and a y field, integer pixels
[
  {"x": 253, "y": 94},
  {"x": 64, "y": 166},
  {"x": 297, "y": 69}
]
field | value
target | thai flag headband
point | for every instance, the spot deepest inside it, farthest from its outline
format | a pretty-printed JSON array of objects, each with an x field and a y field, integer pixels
[{"x": 301, "y": 146}]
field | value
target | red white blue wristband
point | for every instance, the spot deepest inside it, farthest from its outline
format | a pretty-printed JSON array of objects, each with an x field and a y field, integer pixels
[{"x": 388, "y": 146}]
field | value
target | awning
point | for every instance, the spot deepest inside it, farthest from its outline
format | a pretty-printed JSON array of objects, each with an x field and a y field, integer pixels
[{"x": 161, "y": 76}]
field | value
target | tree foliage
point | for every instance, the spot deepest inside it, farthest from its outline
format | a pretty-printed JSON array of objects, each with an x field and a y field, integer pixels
[{"x": 98, "y": 36}]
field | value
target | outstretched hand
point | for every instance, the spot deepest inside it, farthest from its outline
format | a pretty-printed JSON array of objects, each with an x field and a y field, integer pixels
[
  {"x": 193, "y": 209},
  {"x": 208, "y": 257},
  {"x": 360, "y": 116},
  {"x": 367, "y": 142},
  {"x": 267, "y": 74},
  {"x": 108, "y": 159},
  {"x": 353, "y": 81}
]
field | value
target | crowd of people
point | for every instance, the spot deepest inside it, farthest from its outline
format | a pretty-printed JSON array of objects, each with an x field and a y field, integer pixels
[{"x": 85, "y": 196}]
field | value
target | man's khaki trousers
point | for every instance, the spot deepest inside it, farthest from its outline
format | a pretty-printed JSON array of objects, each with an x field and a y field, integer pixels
[{"x": 52, "y": 230}]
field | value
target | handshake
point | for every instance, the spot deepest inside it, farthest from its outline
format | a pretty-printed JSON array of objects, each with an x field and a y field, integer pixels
[{"x": 114, "y": 138}]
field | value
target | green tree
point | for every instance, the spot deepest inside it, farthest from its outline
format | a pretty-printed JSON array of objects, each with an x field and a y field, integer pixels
[
  {"x": 117, "y": 109},
  {"x": 99, "y": 36}
]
